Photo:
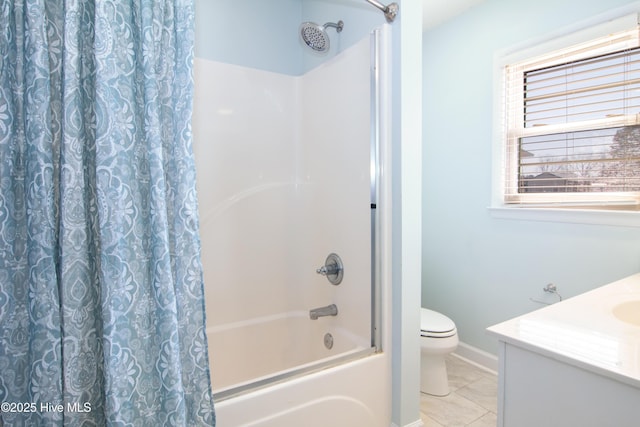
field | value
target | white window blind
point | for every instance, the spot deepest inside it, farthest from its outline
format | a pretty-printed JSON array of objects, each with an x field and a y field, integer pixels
[{"x": 573, "y": 125}]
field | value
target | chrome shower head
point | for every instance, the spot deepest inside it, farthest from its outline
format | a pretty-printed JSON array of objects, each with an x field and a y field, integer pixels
[{"x": 315, "y": 36}]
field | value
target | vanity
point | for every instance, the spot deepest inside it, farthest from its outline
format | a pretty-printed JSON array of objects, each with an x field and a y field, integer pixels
[{"x": 575, "y": 363}]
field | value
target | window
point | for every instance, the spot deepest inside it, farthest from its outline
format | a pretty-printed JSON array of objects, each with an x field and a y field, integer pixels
[{"x": 572, "y": 126}]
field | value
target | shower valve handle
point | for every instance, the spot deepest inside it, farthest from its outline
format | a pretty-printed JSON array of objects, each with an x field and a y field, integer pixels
[
  {"x": 332, "y": 269},
  {"x": 327, "y": 270}
]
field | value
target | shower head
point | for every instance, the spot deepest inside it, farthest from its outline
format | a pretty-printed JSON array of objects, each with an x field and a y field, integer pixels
[{"x": 315, "y": 36}]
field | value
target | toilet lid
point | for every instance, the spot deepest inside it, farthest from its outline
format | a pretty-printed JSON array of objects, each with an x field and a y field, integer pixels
[{"x": 434, "y": 324}]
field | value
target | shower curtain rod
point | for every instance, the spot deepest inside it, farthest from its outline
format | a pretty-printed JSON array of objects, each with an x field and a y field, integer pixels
[{"x": 390, "y": 12}]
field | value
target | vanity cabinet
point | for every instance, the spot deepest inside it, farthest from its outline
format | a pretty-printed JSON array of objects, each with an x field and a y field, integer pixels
[
  {"x": 535, "y": 390},
  {"x": 575, "y": 363}
]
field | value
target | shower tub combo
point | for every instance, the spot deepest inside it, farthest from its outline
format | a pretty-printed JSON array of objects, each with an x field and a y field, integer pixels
[{"x": 292, "y": 191}]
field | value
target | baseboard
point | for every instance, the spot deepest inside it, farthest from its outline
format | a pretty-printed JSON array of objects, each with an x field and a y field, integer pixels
[
  {"x": 418, "y": 423},
  {"x": 475, "y": 356}
]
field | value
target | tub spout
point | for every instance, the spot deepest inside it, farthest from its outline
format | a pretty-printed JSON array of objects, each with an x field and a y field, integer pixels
[{"x": 330, "y": 310}]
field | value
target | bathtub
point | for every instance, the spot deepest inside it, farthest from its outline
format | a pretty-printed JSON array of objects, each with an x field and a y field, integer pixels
[
  {"x": 324, "y": 386},
  {"x": 346, "y": 395}
]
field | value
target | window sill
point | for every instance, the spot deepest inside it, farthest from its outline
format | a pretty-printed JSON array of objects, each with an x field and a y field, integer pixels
[{"x": 573, "y": 216}]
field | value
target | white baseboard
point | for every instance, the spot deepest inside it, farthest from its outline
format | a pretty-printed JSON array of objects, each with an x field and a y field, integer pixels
[
  {"x": 475, "y": 356},
  {"x": 418, "y": 423}
]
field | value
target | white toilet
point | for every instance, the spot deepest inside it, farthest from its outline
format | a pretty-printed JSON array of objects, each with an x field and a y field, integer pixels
[{"x": 438, "y": 337}]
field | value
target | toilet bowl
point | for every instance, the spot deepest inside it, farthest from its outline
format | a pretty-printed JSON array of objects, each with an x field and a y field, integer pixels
[{"x": 438, "y": 337}]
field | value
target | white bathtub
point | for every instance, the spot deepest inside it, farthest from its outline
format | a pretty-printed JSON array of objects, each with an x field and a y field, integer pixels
[
  {"x": 346, "y": 395},
  {"x": 250, "y": 360}
]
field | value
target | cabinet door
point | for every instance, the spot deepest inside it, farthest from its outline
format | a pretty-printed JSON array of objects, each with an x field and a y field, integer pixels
[{"x": 539, "y": 391}]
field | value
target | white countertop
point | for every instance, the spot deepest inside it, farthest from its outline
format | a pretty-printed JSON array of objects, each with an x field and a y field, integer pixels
[{"x": 583, "y": 332}]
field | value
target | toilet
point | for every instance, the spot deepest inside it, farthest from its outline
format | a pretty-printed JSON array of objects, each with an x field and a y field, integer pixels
[{"x": 438, "y": 337}]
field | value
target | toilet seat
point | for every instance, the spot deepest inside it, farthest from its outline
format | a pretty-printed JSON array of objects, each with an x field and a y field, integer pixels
[{"x": 436, "y": 325}]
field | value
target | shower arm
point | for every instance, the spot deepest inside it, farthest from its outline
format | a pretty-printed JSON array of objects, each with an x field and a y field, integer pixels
[
  {"x": 390, "y": 12},
  {"x": 338, "y": 26}
]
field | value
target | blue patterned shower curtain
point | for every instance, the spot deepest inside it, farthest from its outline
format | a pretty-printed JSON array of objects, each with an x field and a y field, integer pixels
[{"x": 101, "y": 293}]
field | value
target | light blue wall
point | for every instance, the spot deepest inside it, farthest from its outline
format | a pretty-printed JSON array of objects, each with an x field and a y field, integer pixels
[
  {"x": 252, "y": 33},
  {"x": 264, "y": 34},
  {"x": 359, "y": 19},
  {"x": 477, "y": 269},
  {"x": 406, "y": 170}
]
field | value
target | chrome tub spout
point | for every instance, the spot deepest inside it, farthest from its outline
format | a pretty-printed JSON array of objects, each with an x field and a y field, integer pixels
[{"x": 330, "y": 310}]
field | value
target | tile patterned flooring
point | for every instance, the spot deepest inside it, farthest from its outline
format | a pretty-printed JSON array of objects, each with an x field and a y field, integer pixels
[{"x": 471, "y": 403}]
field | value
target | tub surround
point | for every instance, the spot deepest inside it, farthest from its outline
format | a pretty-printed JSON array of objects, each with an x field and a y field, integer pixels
[
  {"x": 269, "y": 347},
  {"x": 576, "y": 361},
  {"x": 277, "y": 197}
]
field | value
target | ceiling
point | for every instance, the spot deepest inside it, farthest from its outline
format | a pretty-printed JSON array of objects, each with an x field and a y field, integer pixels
[{"x": 435, "y": 12}]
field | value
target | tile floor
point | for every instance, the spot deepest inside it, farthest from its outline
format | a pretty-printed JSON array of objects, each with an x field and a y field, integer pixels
[{"x": 472, "y": 402}]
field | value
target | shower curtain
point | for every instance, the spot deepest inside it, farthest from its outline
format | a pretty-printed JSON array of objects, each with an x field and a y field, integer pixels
[{"x": 101, "y": 293}]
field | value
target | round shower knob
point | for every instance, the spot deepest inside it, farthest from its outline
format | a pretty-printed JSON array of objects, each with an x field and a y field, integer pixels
[{"x": 332, "y": 269}]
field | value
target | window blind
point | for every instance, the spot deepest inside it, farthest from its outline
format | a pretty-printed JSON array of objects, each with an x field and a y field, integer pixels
[{"x": 573, "y": 125}]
